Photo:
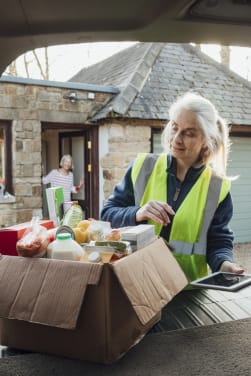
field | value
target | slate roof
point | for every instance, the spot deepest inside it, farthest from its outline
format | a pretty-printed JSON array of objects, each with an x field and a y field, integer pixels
[{"x": 150, "y": 76}]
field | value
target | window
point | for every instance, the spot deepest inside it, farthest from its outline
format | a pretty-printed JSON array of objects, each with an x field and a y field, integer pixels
[
  {"x": 156, "y": 141},
  {"x": 5, "y": 156}
]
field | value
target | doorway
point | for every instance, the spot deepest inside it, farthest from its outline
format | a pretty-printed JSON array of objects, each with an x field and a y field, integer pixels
[
  {"x": 81, "y": 142},
  {"x": 76, "y": 144}
]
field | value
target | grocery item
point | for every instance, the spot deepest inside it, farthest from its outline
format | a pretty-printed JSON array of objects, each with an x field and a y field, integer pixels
[
  {"x": 51, "y": 234},
  {"x": 139, "y": 236},
  {"x": 65, "y": 229},
  {"x": 55, "y": 198},
  {"x": 84, "y": 224},
  {"x": 67, "y": 204},
  {"x": 113, "y": 234},
  {"x": 34, "y": 241},
  {"x": 80, "y": 236},
  {"x": 96, "y": 254},
  {"x": 65, "y": 248},
  {"x": 98, "y": 229},
  {"x": 109, "y": 250},
  {"x": 94, "y": 257},
  {"x": 73, "y": 216},
  {"x": 121, "y": 246}
]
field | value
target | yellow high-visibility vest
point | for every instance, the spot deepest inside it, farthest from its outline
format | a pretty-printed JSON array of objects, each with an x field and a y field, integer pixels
[{"x": 188, "y": 236}]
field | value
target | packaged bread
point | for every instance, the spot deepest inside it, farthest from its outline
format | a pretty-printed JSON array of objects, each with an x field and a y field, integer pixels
[{"x": 34, "y": 241}]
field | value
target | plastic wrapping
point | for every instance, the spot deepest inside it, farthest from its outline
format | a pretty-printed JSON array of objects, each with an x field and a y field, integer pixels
[{"x": 34, "y": 241}]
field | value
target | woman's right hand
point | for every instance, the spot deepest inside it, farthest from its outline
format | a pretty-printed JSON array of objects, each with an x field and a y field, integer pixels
[
  {"x": 81, "y": 183},
  {"x": 155, "y": 210}
]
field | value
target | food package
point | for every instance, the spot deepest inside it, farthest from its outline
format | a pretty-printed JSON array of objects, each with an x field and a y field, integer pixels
[
  {"x": 114, "y": 234},
  {"x": 139, "y": 236},
  {"x": 73, "y": 216},
  {"x": 98, "y": 230},
  {"x": 97, "y": 256},
  {"x": 55, "y": 199},
  {"x": 109, "y": 250},
  {"x": 34, "y": 241}
]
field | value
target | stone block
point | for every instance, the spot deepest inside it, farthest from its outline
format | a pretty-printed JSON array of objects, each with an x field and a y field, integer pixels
[
  {"x": 23, "y": 190},
  {"x": 24, "y": 215}
]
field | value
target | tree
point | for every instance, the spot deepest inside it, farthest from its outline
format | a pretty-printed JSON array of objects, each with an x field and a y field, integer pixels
[
  {"x": 29, "y": 59},
  {"x": 12, "y": 68}
]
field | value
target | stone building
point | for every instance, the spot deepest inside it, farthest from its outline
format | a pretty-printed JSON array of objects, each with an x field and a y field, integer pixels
[{"x": 33, "y": 116}]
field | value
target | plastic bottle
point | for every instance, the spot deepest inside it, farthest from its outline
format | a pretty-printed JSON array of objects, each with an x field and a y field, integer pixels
[{"x": 65, "y": 248}]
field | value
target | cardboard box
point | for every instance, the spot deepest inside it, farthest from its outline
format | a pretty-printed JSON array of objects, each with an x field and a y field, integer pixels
[
  {"x": 8, "y": 241},
  {"x": 93, "y": 312},
  {"x": 10, "y": 235},
  {"x": 139, "y": 236},
  {"x": 55, "y": 199}
]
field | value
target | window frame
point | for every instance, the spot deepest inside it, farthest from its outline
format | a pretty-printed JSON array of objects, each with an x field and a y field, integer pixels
[{"x": 155, "y": 131}]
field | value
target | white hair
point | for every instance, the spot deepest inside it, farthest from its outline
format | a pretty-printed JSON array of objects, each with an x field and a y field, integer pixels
[
  {"x": 65, "y": 157},
  {"x": 214, "y": 129}
]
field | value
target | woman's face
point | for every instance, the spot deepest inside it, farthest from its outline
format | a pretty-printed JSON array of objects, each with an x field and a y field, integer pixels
[
  {"x": 186, "y": 138},
  {"x": 66, "y": 165}
]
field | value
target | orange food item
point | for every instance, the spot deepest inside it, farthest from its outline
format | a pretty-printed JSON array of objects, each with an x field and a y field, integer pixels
[
  {"x": 34, "y": 241},
  {"x": 83, "y": 225},
  {"x": 80, "y": 236},
  {"x": 114, "y": 235},
  {"x": 37, "y": 248}
]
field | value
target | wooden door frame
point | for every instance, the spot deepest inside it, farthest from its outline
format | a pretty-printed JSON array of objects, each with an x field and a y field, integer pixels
[
  {"x": 91, "y": 159},
  {"x": 8, "y": 155}
]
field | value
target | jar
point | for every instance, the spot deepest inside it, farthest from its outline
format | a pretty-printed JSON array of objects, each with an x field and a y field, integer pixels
[{"x": 65, "y": 248}]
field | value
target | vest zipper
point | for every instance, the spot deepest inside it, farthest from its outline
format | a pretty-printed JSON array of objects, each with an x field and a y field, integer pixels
[{"x": 176, "y": 194}]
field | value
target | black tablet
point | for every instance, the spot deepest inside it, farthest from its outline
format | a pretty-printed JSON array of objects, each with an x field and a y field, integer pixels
[{"x": 223, "y": 281}]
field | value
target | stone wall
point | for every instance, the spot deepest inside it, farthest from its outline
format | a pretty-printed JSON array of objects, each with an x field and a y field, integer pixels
[
  {"x": 125, "y": 142},
  {"x": 26, "y": 106}
]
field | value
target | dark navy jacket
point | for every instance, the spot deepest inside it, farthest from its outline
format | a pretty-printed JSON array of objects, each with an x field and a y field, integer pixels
[{"x": 120, "y": 210}]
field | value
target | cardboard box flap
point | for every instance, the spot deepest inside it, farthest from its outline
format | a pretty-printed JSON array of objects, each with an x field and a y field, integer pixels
[
  {"x": 44, "y": 291},
  {"x": 150, "y": 277}
]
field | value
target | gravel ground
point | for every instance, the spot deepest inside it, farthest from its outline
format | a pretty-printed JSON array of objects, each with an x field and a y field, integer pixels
[{"x": 242, "y": 254}]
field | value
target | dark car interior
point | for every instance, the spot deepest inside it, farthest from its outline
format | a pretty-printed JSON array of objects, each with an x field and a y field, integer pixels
[{"x": 29, "y": 24}]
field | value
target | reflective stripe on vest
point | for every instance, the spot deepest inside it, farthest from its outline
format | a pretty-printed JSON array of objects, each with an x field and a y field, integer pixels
[
  {"x": 199, "y": 248},
  {"x": 142, "y": 169}
]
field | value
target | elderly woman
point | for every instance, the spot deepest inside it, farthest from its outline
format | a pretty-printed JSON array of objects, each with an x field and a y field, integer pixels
[
  {"x": 184, "y": 192},
  {"x": 63, "y": 177}
]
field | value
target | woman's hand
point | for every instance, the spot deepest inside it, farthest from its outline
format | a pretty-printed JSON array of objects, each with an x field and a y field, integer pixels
[
  {"x": 81, "y": 183},
  {"x": 230, "y": 267},
  {"x": 155, "y": 210}
]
